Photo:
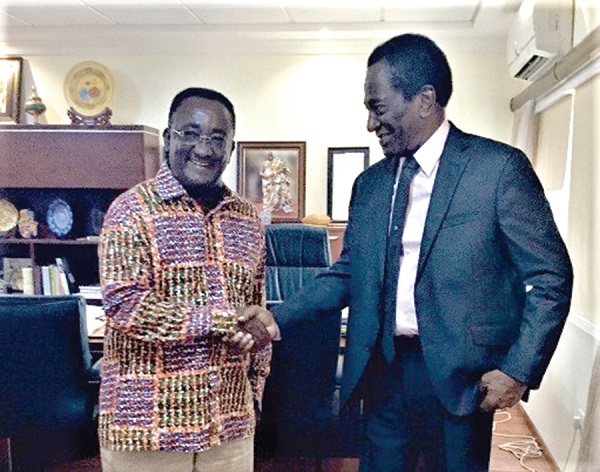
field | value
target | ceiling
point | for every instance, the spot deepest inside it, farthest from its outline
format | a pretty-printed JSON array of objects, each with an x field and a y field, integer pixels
[{"x": 115, "y": 27}]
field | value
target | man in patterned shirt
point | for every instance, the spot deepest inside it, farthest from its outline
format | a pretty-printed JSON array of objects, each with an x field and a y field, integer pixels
[{"x": 182, "y": 259}]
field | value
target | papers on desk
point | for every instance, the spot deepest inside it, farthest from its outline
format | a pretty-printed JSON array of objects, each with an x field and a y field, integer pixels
[
  {"x": 90, "y": 292},
  {"x": 95, "y": 320}
]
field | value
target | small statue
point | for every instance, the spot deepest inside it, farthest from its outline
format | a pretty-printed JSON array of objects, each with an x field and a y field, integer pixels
[
  {"x": 28, "y": 227},
  {"x": 276, "y": 181}
]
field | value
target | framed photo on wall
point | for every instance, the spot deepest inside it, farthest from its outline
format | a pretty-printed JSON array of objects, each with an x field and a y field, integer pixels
[
  {"x": 10, "y": 89},
  {"x": 343, "y": 166},
  {"x": 271, "y": 175}
]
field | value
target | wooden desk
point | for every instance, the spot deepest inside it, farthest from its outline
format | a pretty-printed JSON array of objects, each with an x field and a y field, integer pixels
[{"x": 336, "y": 239}]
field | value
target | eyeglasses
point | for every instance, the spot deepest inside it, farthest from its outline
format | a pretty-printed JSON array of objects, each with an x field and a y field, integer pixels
[{"x": 191, "y": 137}]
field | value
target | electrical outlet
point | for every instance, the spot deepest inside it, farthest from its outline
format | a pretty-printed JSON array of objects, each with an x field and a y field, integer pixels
[{"x": 578, "y": 419}]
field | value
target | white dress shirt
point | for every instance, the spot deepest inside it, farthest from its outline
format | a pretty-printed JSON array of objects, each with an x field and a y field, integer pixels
[{"x": 428, "y": 157}]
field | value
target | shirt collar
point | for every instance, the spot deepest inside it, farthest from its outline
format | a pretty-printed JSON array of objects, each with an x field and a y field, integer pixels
[
  {"x": 429, "y": 154},
  {"x": 169, "y": 188}
]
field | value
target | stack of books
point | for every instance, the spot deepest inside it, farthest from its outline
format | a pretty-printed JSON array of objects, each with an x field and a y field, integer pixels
[{"x": 55, "y": 279}]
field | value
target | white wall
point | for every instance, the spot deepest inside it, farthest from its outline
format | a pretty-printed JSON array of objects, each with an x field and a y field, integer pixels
[
  {"x": 564, "y": 391},
  {"x": 317, "y": 99}
]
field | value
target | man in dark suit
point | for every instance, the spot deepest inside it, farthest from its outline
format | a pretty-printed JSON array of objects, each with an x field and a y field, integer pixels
[{"x": 456, "y": 312}]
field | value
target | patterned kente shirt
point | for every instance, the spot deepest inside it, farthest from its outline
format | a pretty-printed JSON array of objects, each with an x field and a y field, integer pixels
[{"x": 171, "y": 278}]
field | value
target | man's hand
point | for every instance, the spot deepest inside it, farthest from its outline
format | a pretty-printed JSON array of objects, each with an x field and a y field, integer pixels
[
  {"x": 257, "y": 328},
  {"x": 500, "y": 390}
]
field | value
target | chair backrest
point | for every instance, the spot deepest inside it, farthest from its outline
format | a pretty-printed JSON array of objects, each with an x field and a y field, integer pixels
[
  {"x": 299, "y": 393},
  {"x": 45, "y": 362},
  {"x": 296, "y": 253}
]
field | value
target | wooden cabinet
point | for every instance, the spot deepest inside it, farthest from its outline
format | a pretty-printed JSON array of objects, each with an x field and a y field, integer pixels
[{"x": 87, "y": 167}]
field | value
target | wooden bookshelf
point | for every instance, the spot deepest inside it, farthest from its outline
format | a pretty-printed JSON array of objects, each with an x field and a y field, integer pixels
[{"x": 85, "y": 166}]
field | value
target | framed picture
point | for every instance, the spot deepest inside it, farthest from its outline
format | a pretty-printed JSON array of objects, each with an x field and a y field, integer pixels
[
  {"x": 10, "y": 89},
  {"x": 13, "y": 271},
  {"x": 271, "y": 175},
  {"x": 343, "y": 166}
]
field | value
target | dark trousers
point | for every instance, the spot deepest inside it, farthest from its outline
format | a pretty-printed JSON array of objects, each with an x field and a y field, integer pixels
[{"x": 406, "y": 425}]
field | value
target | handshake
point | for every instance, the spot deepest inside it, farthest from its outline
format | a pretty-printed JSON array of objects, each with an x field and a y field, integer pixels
[{"x": 257, "y": 328}]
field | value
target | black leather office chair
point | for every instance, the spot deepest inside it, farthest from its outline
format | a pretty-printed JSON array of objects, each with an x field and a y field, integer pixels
[
  {"x": 45, "y": 371},
  {"x": 298, "y": 405}
]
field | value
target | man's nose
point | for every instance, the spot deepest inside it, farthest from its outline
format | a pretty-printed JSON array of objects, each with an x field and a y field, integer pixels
[
  {"x": 203, "y": 147},
  {"x": 372, "y": 122}
]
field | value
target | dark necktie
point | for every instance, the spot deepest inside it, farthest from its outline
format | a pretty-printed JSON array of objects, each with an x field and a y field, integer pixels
[{"x": 393, "y": 253}]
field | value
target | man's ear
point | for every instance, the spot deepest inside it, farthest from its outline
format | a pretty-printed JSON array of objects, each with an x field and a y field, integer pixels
[
  {"x": 166, "y": 144},
  {"x": 166, "y": 136},
  {"x": 230, "y": 154},
  {"x": 427, "y": 100}
]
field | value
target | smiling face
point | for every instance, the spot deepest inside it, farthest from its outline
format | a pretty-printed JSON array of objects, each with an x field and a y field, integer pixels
[
  {"x": 397, "y": 122},
  {"x": 198, "y": 166}
]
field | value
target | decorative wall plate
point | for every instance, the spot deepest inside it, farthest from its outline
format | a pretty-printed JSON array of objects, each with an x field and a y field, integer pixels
[
  {"x": 9, "y": 216},
  {"x": 59, "y": 217},
  {"x": 89, "y": 87},
  {"x": 95, "y": 219}
]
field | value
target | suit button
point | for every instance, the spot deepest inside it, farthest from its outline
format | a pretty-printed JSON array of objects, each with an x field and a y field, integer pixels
[{"x": 367, "y": 348}]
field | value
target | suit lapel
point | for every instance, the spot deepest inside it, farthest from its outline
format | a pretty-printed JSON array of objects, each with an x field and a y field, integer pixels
[
  {"x": 381, "y": 205},
  {"x": 453, "y": 162}
]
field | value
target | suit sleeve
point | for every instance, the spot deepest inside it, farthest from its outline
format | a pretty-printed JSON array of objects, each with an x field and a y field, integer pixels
[
  {"x": 328, "y": 293},
  {"x": 539, "y": 255}
]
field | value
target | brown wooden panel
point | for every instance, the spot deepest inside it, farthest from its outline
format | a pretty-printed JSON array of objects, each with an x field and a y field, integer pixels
[
  {"x": 336, "y": 239},
  {"x": 75, "y": 157}
]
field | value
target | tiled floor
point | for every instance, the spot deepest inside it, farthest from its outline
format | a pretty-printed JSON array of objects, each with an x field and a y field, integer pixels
[{"x": 516, "y": 428}]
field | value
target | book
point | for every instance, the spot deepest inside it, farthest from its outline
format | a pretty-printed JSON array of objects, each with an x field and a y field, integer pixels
[
  {"x": 63, "y": 284},
  {"x": 46, "y": 285},
  {"x": 63, "y": 264},
  {"x": 37, "y": 280},
  {"x": 54, "y": 280}
]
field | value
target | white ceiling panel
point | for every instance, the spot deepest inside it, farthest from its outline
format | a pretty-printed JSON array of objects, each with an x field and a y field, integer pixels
[
  {"x": 147, "y": 15},
  {"x": 327, "y": 14},
  {"x": 421, "y": 14},
  {"x": 46, "y": 15},
  {"x": 236, "y": 15},
  {"x": 9, "y": 21},
  {"x": 40, "y": 3},
  {"x": 46, "y": 27},
  {"x": 130, "y": 3}
]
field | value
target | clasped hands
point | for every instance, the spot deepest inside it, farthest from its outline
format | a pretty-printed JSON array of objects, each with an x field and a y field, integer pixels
[
  {"x": 499, "y": 390},
  {"x": 257, "y": 328}
]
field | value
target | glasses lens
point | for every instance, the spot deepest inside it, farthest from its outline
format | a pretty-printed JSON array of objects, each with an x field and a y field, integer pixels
[
  {"x": 193, "y": 138},
  {"x": 217, "y": 142}
]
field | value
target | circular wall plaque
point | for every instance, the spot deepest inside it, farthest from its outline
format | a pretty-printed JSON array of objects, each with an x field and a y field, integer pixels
[{"x": 89, "y": 87}]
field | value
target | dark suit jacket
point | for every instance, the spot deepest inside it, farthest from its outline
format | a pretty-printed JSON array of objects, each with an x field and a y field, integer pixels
[{"x": 494, "y": 279}]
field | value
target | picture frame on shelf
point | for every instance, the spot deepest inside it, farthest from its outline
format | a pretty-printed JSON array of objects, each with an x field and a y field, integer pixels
[
  {"x": 272, "y": 176},
  {"x": 344, "y": 164},
  {"x": 10, "y": 89},
  {"x": 12, "y": 272}
]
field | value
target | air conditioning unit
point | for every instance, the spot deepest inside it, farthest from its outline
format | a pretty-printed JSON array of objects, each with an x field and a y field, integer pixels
[{"x": 542, "y": 33}]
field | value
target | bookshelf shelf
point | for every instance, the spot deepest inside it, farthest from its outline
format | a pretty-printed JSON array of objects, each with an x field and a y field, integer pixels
[{"x": 41, "y": 242}]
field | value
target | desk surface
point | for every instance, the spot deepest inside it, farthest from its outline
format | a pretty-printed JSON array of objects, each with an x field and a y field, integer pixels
[{"x": 95, "y": 321}]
